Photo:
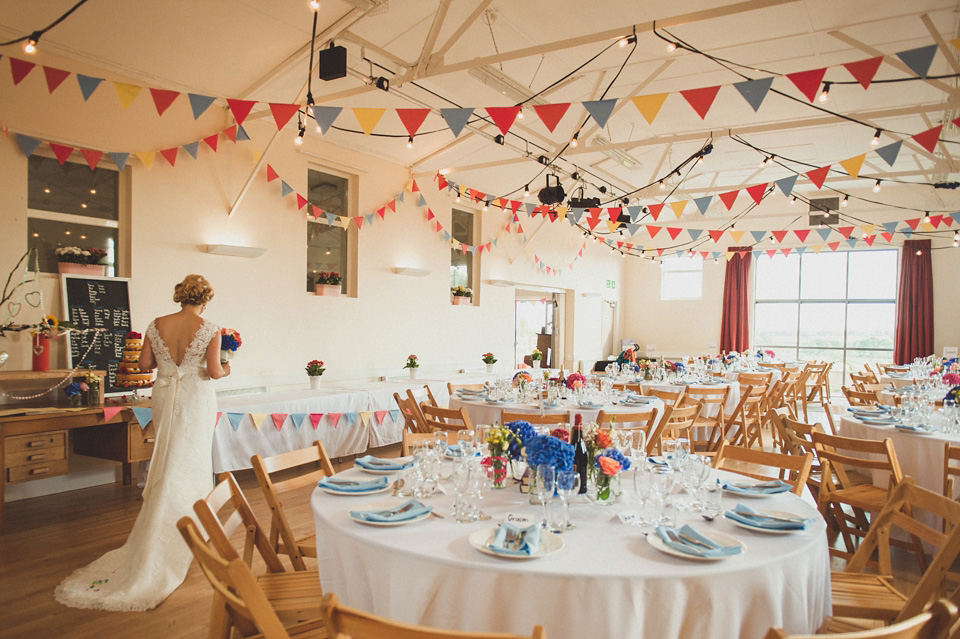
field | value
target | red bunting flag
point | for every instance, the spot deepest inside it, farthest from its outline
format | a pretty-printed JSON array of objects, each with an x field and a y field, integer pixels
[
  {"x": 380, "y": 415},
  {"x": 413, "y": 187},
  {"x": 757, "y": 191},
  {"x": 771, "y": 252},
  {"x": 808, "y": 81},
  {"x": 163, "y": 98},
  {"x": 519, "y": 228},
  {"x": 92, "y": 157},
  {"x": 818, "y": 176},
  {"x": 674, "y": 232},
  {"x": 913, "y": 223},
  {"x": 551, "y": 114},
  {"x": 515, "y": 206},
  {"x": 19, "y": 69},
  {"x": 653, "y": 230},
  {"x": 62, "y": 152},
  {"x": 278, "y": 419},
  {"x": 170, "y": 155},
  {"x": 935, "y": 220},
  {"x": 870, "y": 239},
  {"x": 786, "y": 251},
  {"x": 503, "y": 117},
  {"x": 271, "y": 174},
  {"x": 231, "y": 132},
  {"x": 392, "y": 205},
  {"x": 864, "y": 70},
  {"x": 412, "y": 119},
  {"x": 441, "y": 182},
  {"x": 282, "y": 112},
  {"x": 359, "y": 221},
  {"x": 779, "y": 235},
  {"x": 315, "y": 419},
  {"x": 430, "y": 215},
  {"x": 655, "y": 210},
  {"x": 887, "y": 236},
  {"x": 592, "y": 222},
  {"x": 382, "y": 212},
  {"x": 928, "y": 139},
  {"x": 701, "y": 99},
  {"x": 833, "y": 246},
  {"x": 716, "y": 235},
  {"x": 845, "y": 231},
  {"x": 802, "y": 234},
  {"x": 55, "y": 77},
  {"x": 729, "y": 198},
  {"x": 240, "y": 109},
  {"x": 109, "y": 412},
  {"x": 212, "y": 140},
  {"x": 301, "y": 202}
]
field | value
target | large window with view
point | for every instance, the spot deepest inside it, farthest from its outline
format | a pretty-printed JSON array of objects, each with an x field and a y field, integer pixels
[
  {"x": 461, "y": 262},
  {"x": 327, "y": 245},
  {"x": 681, "y": 277},
  {"x": 70, "y": 205},
  {"x": 837, "y": 306}
]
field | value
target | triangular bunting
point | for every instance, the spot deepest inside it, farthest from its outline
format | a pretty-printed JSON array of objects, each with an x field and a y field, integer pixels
[
  {"x": 701, "y": 99},
  {"x": 655, "y": 210},
  {"x": 282, "y": 113},
  {"x": 258, "y": 419},
  {"x": 833, "y": 246},
  {"x": 109, "y": 412},
  {"x": 192, "y": 148},
  {"x": 365, "y": 417},
  {"x": 120, "y": 159},
  {"x": 231, "y": 132},
  {"x": 864, "y": 70},
  {"x": 649, "y": 105},
  {"x": 716, "y": 235},
  {"x": 852, "y": 242},
  {"x": 144, "y": 415},
  {"x": 870, "y": 239},
  {"x": 928, "y": 139},
  {"x": 380, "y": 414},
  {"x": 674, "y": 232},
  {"x": 55, "y": 77},
  {"x": 758, "y": 236},
  {"x": 285, "y": 189},
  {"x": 653, "y": 230},
  {"x": 890, "y": 152},
  {"x": 278, "y": 419},
  {"x": 818, "y": 176},
  {"x": 170, "y": 155},
  {"x": 678, "y": 207},
  {"x": 703, "y": 203},
  {"x": 824, "y": 233},
  {"x": 394, "y": 414},
  {"x": 199, "y": 104},
  {"x": 88, "y": 85},
  {"x": 503, "y": 117},
  {"x": 736, "y": 235},
  {"x": 551, "y": 114},
  {"x": 600, "y": 110},
  {"x": 802, "y": 234},
  {"x": 729, "y": 198},
  {"x": 27, "y": 144},
  {"x": 778, "y": 236},
  {"x": 301, "y": 202},
  {"x": 297, "y": 419},
  {"x": 325, "y": 116},
  {"x": 786, "y": 184},
  {"x": 315, "y": 417},
  {"x": 757, "y": 192},
  {"x": 919, "y": 59},
  {"x": 240, "y": 108},
  {"x": 235, "y": 419},
  {"x": 845, "y": 231},
  {"x": 61, "y": 151},
  {"x": 368, "y": 118},
  {"x": 334, "y": 418},
  {"x": 20, "y": 69},
  {"x": 92, "y": 157},
  {"x": 456, "y": 119},
  {"x": 808, "y": 81},
  {"x": 754, "y": 91},
  {"x": 126, "y": 93},
  {"x": 163, "y": 98},
  {"x": 412, "y": 119},
  {"x": 852, "y": 165},
  {"x": 212, "y": 141}
]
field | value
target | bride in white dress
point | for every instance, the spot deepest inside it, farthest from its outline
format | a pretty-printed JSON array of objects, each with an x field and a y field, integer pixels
[{"x": 153, "y": 562}]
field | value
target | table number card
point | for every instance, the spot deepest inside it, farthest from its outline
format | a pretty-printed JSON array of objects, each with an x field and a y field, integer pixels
[
  {"x": 520, "y": 520},
  {"x": 629, "y": 517}
]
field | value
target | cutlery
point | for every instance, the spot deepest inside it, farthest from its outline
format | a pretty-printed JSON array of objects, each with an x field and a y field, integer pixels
[
  {"x": 436, "y": 514},
  {"x": 519, "y": 540},
  {"x": 397, "y": 485},
  {"x": 790, "y": 520},
  {"x": 341, "y": 482},
  {"x": 695, "y": 541},
  {"x": 708, "y": 517}
]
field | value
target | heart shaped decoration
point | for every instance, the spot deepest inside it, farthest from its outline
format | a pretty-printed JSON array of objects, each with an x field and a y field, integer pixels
[
  {"x": 14, "y": 308},
  {"x": 33, "y": 298}
]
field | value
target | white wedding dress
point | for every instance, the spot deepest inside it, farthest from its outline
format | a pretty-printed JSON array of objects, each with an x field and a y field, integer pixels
[{"x": 154, "y": 560}]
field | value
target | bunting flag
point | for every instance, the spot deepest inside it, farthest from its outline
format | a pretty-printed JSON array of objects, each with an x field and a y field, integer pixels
[
  {"x": 365, "y": 417},
  {"x": 600, "y": 110},
  {"x": 818, "y": 176},
  {"x": 678, "y": 207},
  {"x": 757, "y": 191},
  {"x": 192, "y": 148},
  {"x": 92, "y": 157},
  {"x": 27, "y": 144},
  {"x": 824, "y": 233},
  {"x": 808, "y": 81},
  {"x": 551, "y": 114},
  {"x": 163, "y": 98},
  {"x": 20, "y": 69},
  {"x": 315, "y": 419},
  {"x": 412, "y": 119},
  {"x": 88, "y": 85},
  {"x": 278, "y": 419},
  {"x": 258, "y": 419},
  {"x": 380, "y": 415},
  {"x": 890, "y": 152},
  {"x": 351, "y": 419},
  {"x": 754, "y": 91},
  {"x": 729, "y": 198},
  {"x": 126, "y": 93},
  {"x": 54, "y": 77},
  {"x": 231, "y": 132},
  {"x": 702, "y": 203},
  {"x": 928, "y": 139},
  {"x": 334, "y": 418},
  {"x": 786, "y": 184},
  {"x": 199, "y": 104},
  {"x": 456, "y": 119},
  {"x": 852, "y": 165},
  {"x": 503, "y": 117},
  {"x": 120, "y": 159},
  {"x": 716, "y": 235},
  {"x": 649, "y": 105},
  {"x": 655, "y": 210},
  {"x": 737, "y": 235},
  {"x": 282, "y": 113},
  {"x": 144, "y": 415},
  {"x": 758, "y": 236},
  {"x": 109, "y": 412},
  {"x": 212, "y": 141},
  {"x": 297, "y": 419},
  {"x": 325, "y": 116},
  {"x": 919, "y": 60},
  {"x": 170, "y": 155},
  {"x": 863, "y": 71},
  {"x": 368, "y": 118},
  {"x": 61, "y": 151},
  {"x": 240, "y": 108},
  {"x": 235, "y": 419},
  {"x": 802, "y": 234},
  {"x": 701, "y": 99}
]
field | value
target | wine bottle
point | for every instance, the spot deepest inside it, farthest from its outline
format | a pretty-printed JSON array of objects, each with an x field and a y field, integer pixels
[{"x": 579, "y": 451}]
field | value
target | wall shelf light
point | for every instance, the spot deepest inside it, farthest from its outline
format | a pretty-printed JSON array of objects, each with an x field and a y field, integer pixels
[
  {"x": 236, "y": 251},
  {"x": 411, "y": 271},
  {"x": 503, "y": 283}
]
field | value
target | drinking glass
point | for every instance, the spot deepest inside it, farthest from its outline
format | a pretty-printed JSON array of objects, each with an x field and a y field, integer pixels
[
  {"x": 710, "y": 494},
  {"x": 465, "y": 439},
  {"x": 544, "y": 487},
  {"x": 568, "y": 486}
]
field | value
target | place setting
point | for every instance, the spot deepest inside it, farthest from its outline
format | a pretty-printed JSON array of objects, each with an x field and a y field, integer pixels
[
  {"x": 510, "y": 541},
  {"x": 347, "y": 487},
  {"x": 386, "y": 514},
  {"x": 378, "y": 466},
  {"x": 772, "y": 522}
]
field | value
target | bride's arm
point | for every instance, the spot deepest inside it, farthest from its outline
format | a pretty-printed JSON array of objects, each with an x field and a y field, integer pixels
[
  {"x": 215, "y": 369},
  {"x": 147, "y": 361}
]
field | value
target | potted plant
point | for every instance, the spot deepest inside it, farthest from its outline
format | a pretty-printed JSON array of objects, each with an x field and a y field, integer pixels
[
  {"x": 413, "y": 365},
  {"x": 73, "y": 260},
  {"x": 489, "y": 360},
  {"x": 536, "y": 356},
  {"x": 462, "y": 295},
  {"x": 328, "y": 283},
  {"x": 315, "y": 370}
]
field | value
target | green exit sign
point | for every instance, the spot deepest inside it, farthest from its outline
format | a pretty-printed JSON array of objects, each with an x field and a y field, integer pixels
[{"x": 611, "y": 284}]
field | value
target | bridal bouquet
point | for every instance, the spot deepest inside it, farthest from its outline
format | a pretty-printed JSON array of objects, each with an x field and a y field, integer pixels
[{"x": 229, "y": 343}]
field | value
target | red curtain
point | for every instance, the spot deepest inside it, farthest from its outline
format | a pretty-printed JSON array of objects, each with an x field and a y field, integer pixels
[
  {"x": 914, "y": 333},
  {"x": 735, "y": 321}
]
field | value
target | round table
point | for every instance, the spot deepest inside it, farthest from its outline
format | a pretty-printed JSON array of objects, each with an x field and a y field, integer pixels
[
  {"x": 897, "y": 380},
  {"x": 607, "y": 581},
  {"x": 484, "y": 412}
]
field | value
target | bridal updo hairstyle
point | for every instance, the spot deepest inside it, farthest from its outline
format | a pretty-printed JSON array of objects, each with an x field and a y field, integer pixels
[{"x": 194, "y": 290}]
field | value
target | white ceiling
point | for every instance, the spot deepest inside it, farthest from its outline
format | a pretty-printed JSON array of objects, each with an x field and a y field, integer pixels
[{"x": 258, "y": 50}]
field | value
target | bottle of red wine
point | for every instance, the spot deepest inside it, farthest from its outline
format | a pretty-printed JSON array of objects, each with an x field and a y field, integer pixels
[{"x": 579, "y": 451}]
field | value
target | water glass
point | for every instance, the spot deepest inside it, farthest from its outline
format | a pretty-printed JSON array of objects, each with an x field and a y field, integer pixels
[
  {"x": 544, "y": 487},
  {"x": 555, "y": 515},
  {"x": 710, "y": 494},
  {"x": 568, "y": 486},
  {"x": 465, "y": 439}
]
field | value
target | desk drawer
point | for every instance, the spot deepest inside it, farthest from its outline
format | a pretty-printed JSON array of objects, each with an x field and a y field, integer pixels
[
  {"x": 141, "y": 441},
  {"x": 36, "y": 471},
  {"x": 23, "y": 443},
  {"x": 38, "y": 456}
]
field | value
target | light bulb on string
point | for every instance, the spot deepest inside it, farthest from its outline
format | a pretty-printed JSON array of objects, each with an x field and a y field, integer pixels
[
  {"x": 575, "y": 140},
  {"x": 301, "y": 131},
  {"x": 876, "y": 187},
  {"x": 876, "y": 137},
  {"x": 843, "y": 203},
  {"x": 486, "y": 205},
  {"x": 526, "y": 191},
  {"x": 30, "y": 46},
  {"x": 663, "y": 186},
  {"x": 410, "y": 142},
  {"x": 520, "y": 114},
  {"x": 793, "y": 200},
  {"x": 671, "y": 47},
  {"x": 919, "y": 252},
  {"x": 825, "y": 94},
  {"x": 926, "y": 218},
  {"x": 315, "y": 5}
]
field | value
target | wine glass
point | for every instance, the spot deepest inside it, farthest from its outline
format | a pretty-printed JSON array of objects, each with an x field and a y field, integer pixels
[
  {"x": 544, "y": 487},
  {"x": 466, "y": 442},
  {"x": 568, "y": 486}
]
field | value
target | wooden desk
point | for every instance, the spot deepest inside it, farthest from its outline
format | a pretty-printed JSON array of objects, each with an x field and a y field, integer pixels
[{"x": 33, "y": 446}]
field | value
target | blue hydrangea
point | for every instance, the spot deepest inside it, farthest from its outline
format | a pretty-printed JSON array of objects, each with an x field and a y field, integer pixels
[
  {"x": 522, "y": 431},
  {"x": 616, "y": 456},
  {"x": 544, "y": 450}
]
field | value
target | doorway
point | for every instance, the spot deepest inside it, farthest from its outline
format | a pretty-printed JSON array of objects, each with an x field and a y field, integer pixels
[
  {"x": 535, "y": 324},
  {"x": 608, "y": 329}
]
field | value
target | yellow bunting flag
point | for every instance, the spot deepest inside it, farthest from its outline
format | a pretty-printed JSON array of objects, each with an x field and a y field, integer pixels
[
  {"x": 868, "y": 229},
  {"x": 612, "y": 226},
  {"x": 126, "y": 93},
  {"x": 816, "y": 248},
  {"x": 365, "y": 417},
  {"x": 736, "y": 235},
  {"x": 852, "y": 165},
  {"x": 927, "y": 226},
  {"x": 258, "y": 419},
  {"x": 730, "y": 254},
  {"x": 678, "y": 207},
  {"x": 146, "y": 157},
  {"x": 649, "y": 105},
  {"x": 562, "y": 211},
  {"x": 368, "y": 118},
  {"x": 256, "y": 154}
]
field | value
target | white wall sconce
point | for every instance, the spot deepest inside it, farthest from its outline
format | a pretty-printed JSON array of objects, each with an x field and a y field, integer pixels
[
  {"x": 411, "y": 271},
  {"x": 503, "y": 283},
  {"x": 235, "y": 251}
]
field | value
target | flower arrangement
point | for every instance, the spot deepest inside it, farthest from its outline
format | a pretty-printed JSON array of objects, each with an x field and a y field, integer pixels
[
  {"x": 488, "y": 358},
  {"x": 676, "y": 367},
  {"x": 315, "y": 368},
  {"x": 523, "y": 377},
  {"x": 328, "y": 277},
  {"x": 412, "y": 362},
  {"x": 769, "y": 353},
  {"x": 951, "y": 379},
  {"x": 461, "y": 291},
  {"x": 520, "y": 432},
  {"x": 229, "y": 343},
  {"x": 597, "y": 439},
  {"x": 561, "y": 433},
  {"x": 536, "y": 355},
  {"x": 546, "y": 450},
  {"x": 77, "y": 255},
  {"x": 609, "y": 464},
  {"x": 75, "y": 388},
  {"x": 576, "y": 380}
]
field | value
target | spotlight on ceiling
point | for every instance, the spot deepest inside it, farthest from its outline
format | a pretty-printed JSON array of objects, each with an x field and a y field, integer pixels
[
  {"x": 551, "y": 194},
  {"x": 581, "y": 202},
  {"x": 498, "y": 139},
  {"x": 333, "y": 62},
  {"x": 382, "y": 83}
]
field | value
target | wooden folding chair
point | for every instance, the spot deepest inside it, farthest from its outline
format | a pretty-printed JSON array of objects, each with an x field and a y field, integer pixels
[
  {"x": 453, "y": 388},
  {"x": 437, "y": 418},
  {"x": 793, "y": 469},
  {"x": 349, "y": 623},
  {"x": 858, "y": 398},
  {"x": 934, "y": 623},
  {"x": 714, "y": 401},
  {"x": 755, "y": 379},
  {"x": 305, "y": 460},
  {"x": 950, "y": 471},
  {"x": 863, "y": 378},
  {"x": 669, "y": 397},
  {"x": 430, "y": 398},
  {"x": 629, "y": 424},
  {"x": 677, "y": 421},
  {"x": 818, "y": 385},
  {"x": 249, "y": 609},
  {"x": 412, "y": 419},
  {"x": 750, "y": 416},
  {"x": 536, "y": 418},
  {"x": 293, "y": 595},
  {"x": 863, "y": 595}
]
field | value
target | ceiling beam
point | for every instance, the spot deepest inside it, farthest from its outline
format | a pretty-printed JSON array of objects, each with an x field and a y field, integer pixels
[
  {"x": 431, "y": 40},
  {"x": 366, "y": 44},
  {"x": 945, "y": 49},
  {"x": 439, "y": 53}
]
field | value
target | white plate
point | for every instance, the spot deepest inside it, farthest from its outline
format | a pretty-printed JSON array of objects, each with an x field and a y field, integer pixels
[
  {"x": 878, "y": 422},
  {"x": 916, "y": 432},
  {"x": 750, "y": 495},
  {"x": 720, "y": 538},
  {"x": 769, "y": 531},
  {"x": 371, "y": 471},
  {"x": 356, "y": 493},
  {"x": 385, "y": 523},
  {"x": 549, "y": 543}
]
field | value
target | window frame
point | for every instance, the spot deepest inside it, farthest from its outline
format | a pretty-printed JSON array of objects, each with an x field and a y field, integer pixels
[
  {"x": 666, "y": 268},
  {"x": 473, "y": 279},
  {"x": 349, "y": 280}
]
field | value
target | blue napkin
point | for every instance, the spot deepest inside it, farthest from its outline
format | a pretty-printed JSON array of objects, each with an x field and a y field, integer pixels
[
  {"x": 375, "y": 463},
  {"x": 590, "y": 405},
  {"x": 674, "y": 538},
  {"x": 750, "y": 517},
  {"x": 658, "y": 461},
  {"x": 472, "y": 391},
  {"x": 453, "y": 450},
  {"x": 878, "y": 421},
  {"x": 762, "y": 488},
  {"x": 503, "y": 540},
  {"x": 913, "y": 429},
  {"x": 350, "y": 486},
  {"x": 861, "y": 409},
  {"x": 409, "y": 510}
]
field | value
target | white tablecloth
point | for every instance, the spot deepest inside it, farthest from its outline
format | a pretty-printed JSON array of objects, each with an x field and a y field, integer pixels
[
  {"x": 732, "y": 399},
  {"x": 607, "y": 581},
  {"x": 482, "y": 412},
  {"x": 897, "y": 381}
]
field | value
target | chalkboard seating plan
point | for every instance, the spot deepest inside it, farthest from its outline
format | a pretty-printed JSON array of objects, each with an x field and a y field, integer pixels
[{"x": 98, "y": 302}]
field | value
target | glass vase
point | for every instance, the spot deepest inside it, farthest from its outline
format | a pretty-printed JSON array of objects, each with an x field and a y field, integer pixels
[
  {"x": 499, "y": 467},
  {"x": 606, "y": 491}
]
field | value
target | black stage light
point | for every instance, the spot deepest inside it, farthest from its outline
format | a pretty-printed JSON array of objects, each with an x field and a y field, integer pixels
[
  {"x": 581, "y": 202},
  {"x": 382, "y": 83},
  {"x": 551, "y": 194},
  {"x": 333, "y": 62}
]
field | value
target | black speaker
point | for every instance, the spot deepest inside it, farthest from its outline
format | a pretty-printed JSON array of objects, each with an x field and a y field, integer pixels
[{"x": 333, "y": 62}]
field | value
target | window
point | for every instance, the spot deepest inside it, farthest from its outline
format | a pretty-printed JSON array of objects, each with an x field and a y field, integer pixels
[
  {"x": 681, "y": 278},
  {"x": 327, "y": 246},
  {"x": 461, "y": 263},
  {"x": 71, "y": 205},
  {"x": 838, "y": 307}
]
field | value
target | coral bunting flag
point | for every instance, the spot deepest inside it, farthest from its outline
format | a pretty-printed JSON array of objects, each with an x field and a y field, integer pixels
[
  {"x": 864, "y": 70},
  {"x": 301, "y": 202},
  {"x": 163, "y": 98},
  {"x": 62, "y": 152},
  {"x": 315, "y": 419},
  {"x": 808, "y": 81},
  {"x": 701, "y": 99},
  {"x": 802, "y": 234},
  {"x": 833, "y": 246},
  {"x": 212, "y": 140},
  {"x": 655, "y": 210},
  {"x": 845, "y": 231},
  {"x": 757, "y": 192},
  {"x": 649, "y": 105},
  {"x": 231, "y": 132},
  {"x": 779, "y": 235},
  {"x": 19, "y": 69},
  {"x": 55, "y": 77},
  {"x": 503, "y": 117},
  {"x": 282, "y": 113},
  {"x": 240, "y": 109},
  {"x": 729, "y": 198},
  {"x": 412, "y": 119},
  {"x": 870, "y": 239},
  {"x": 716, "y": 235},
  {"x": 674, "y": 232},
  {"x": 170, "y": 155},
  {"x": 271, "y": 174},
  {"x": 551, "y": 114},
  {"x": 928, "y": 139},
  {"x": 92, "y": 157},
  {"x": 109, "y": 412},
  {"x": 278, "y": 419},
  {"x": 818, "y": 176}
]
